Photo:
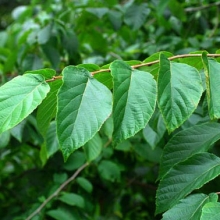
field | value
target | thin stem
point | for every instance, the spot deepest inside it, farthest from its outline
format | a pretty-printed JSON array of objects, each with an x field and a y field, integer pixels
[
  {"x": 57, "y": 191},
  {"x": 192, "y": 9},
  {"x": 144, "y": 64}
]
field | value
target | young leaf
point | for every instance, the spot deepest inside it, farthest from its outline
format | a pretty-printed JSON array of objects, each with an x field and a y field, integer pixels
[
  {"x": 189, "y": 208},
  {"x": 134, "y": 100},
  {"x": 210, "y": 211},
  {"x": 184, "y": 177},
  {"x": 185, "y": 143},
  {"x": 179, "y": 92},
  {"x": 83, "y": 106},
  {"x": 19, "y": 97},
  {"x": 212, "y": 82}
]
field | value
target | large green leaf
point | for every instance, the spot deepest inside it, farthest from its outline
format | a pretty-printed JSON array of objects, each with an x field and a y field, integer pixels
[
  {"x": 179, "y": 92},
  {"x": 184, "y": 177},
  {"x": 83, "y": 106},
  {"x": 212, "y": 73},
  {"x": 184, "y": 144},
  {"x": 19, "y": 97},
  {"x": 211, "y": 211},
  {"x": 48, "y": 108},
  {"x": 134, "y": 100},
  {"x": 189, "y": 208}
]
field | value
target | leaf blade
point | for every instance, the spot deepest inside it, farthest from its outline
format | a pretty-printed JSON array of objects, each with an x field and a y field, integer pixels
[
  {"x": 132, "y": 109},
  {"x": 16, "y": 103},
  {"x": 83, "y": 106}
]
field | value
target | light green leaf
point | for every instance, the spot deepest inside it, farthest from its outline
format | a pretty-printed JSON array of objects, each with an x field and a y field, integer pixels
[
  {"x": 63, "y": 214},
  {"x": 19, "y": 97},
  {"x": 83, "y": 106},
  {"x": 93, "y": 147},
  {"x": 48, "y": 108},
  {"x": 184, "y": 177},
  {"x": 72, "y": 199},
  {"x": 185, "y": 143},
  {"x": 189, "y": 208},
  {"x": 134, "y": 100},
  {"x": 212, "y": 74},
  {"x": 179, "y": 92},
  {"x": 136, "y": 15},
  {"x": 211, "y": 211},
  {"x": 51, "y": 141},
  {"x": 85, "y": 184}
]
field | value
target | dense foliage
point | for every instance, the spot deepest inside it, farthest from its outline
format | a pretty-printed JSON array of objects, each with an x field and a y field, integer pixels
[{"x": 98, "y": 121}]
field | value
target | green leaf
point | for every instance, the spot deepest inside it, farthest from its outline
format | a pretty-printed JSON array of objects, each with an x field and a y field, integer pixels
[
  {"x": 189, "y": 208},
  {"x": 47, "y": 73},
  {"x": 63, "y": 214},
  {"x": 72, "y": 199},
  {"x": 17, "y": 131},
  {"x": 212, "y": 82},
  {"x": 136, "y": 15},
  {"x": 51, "y": 141},
  {"x": 211, "y": 211},
  {"x": 134, "y": 100},
  {"x": 48, "y": 108},
  {"x": 93, "y": 147},
  {"x": 89, "y": 67},
  {"x": 85, "y": 184},
  {"x": 75, "y": 161},
  {"x": 179, "y": 92},
  {"x": 19, "y": 97},
  {"x": 83, "y": 106},
  {"x": 184, "y": 177},
  {"x": 105, "y": 78},
  {"x": 109, "y": 170},
  {"x": 188, "y": 142},
  {"x": 4, "y": 139},
  {"x": 154, "y": 69}
]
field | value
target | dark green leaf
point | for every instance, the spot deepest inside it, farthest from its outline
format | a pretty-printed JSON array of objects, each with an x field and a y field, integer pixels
[
  {"x": 48, "y": 108},
  {"x": 213, "y": 89},
  {"x": 179, "y": 92},
  {"x": 188, "y": 142},
  {"x": 184, "y": 177}
]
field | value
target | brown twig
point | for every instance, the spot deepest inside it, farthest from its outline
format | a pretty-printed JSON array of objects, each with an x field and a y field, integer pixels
[
  {"x": 57, "y": 192},
  {"x": 144, "y": 64}
]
